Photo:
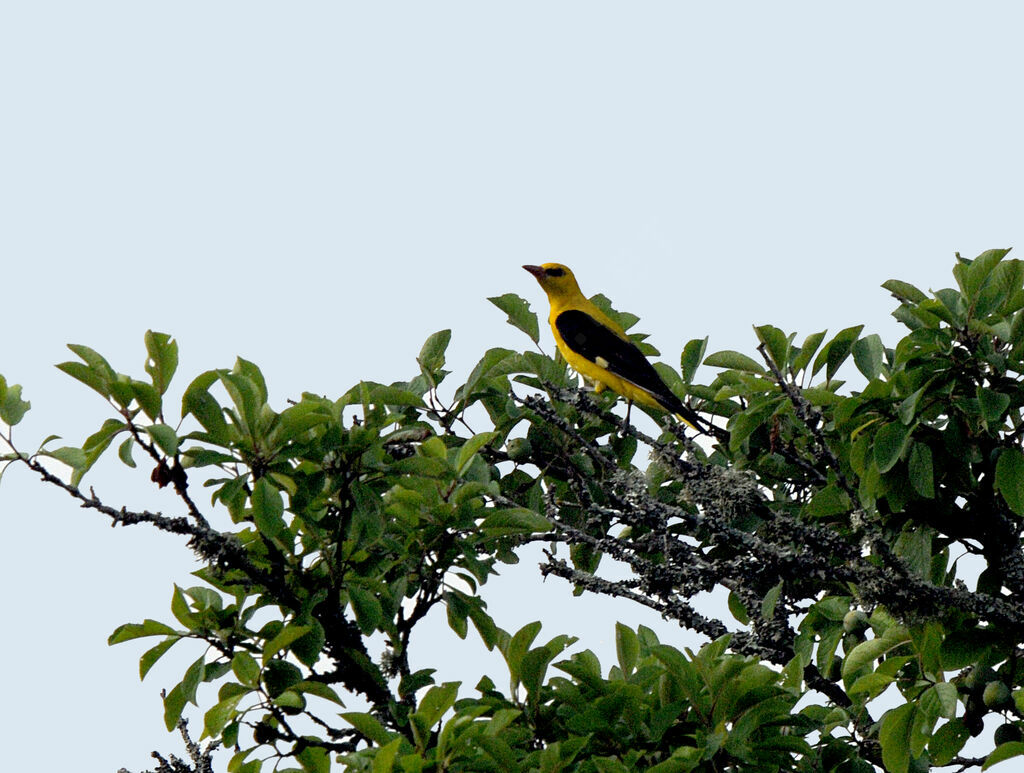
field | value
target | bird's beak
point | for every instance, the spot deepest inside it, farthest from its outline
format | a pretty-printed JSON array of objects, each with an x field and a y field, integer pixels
[{"x": 537, "y": 271}]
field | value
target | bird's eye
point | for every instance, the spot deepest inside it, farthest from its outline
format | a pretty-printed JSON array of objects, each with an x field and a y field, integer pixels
[{"x": 554, "y": 271}]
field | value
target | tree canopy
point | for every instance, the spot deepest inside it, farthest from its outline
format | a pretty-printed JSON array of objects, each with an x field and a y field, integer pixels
[{"x": 835, "y": 518}]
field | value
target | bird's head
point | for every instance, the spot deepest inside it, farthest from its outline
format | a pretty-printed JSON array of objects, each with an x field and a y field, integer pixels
[{"x": 556, "y": 279}]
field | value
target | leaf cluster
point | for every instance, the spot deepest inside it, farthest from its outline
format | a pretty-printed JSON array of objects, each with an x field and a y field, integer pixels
[{"x": 834, "y": 518}]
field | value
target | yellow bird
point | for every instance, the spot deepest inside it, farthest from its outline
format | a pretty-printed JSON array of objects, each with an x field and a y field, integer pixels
[{"x": 600, "y": 351}]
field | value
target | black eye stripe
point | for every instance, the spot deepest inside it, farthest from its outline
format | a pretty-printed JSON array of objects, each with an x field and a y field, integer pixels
[{"x": 554, "y": 272}]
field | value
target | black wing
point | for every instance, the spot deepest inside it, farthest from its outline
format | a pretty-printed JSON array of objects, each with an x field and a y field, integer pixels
[{"x": 592, "y": 340}]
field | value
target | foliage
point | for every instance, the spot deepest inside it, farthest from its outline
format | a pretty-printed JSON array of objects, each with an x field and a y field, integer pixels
[{"x": 834, "y": 519}]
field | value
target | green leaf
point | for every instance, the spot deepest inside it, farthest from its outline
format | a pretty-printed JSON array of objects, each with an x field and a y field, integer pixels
[
  {"x": 147, "y": 397},
  {"x": 627, "y": 648},
  {"x": 1009, "y": 480},
  {"x": 198, "y": 401},
  {"x": 690, "y": 359},
  {"x": 961, "y": 648},
  {"x": 911, "y": 317},
  {"x": 369, "y": 726},
  {"x": 609, "y": 765},
  {"x": 165, "y": 437},
  {"x": 836, "y": 351},
  {"x": 624, "y": 319},
  {"x": 771, "y": 598},
  {"x": 868, "y": 651},
  {"x": 1003, "y": 752},
  {"x": 194, "y": 676},
  {"x": 947, "y": 742},
  {"x": 72, "y": 457},
  {"x": 950, "y": 306},
  {"x": 251, "y": 372},
  {"x": 130, "y": 631},
  {"x": 245, "y": 395},
  {"x": 12, "y": 407},
  {"x": 833, "y": 608},
  {"x": 458, "y": 611},
  {"x": 868, "y": 355},
  {"x": 827, "y": 502},
  {"x": 904, "y": 291},
  {"x": 308, "y": 648},
  {"x": 279, "y": 675},
  {"x": 96, "y": 372},
  {"x": 368, "y": 611},
  {"x": 532, "y": 669},
  {"x": 993, "y": 404},
  {"x": 895, "y": 737},
  {"x": 776, "y": 344},
  {"x": 754, "y": 418},
  {"x": 296, "y": 420},
  {"x": 290, "y": 699},
  {"x": 174, "y": 704},
  {"x": 267, "y": 508},
  {"x": 162, "y": 361},
  {"x": 314, "y": 760},
  {"x": 922, "y": 475},
  {"x": 87, "y": 376},
  {"x": 370, "y": 393},
  {"x": 412, "y": 683},
  {"x": 288, "y": 634},
  {"x": 180, "y": 610},
  {"x": 100, "y": 440},
  {"x": 246, "y": 668},
  {"x": 124, "y": 452},
  {"x": 914, "y": 546},
  {"x": 807, "y": 350},
  {"x": 514, "y": 521},
  {"x": 737, "y": 609},
  {"x": 972, "y": 274},
  {"x": 481, "y": 378},
  {"x": 908, "y": 407},
  {"x": 734, "y": 361},
  {"x": 518, "y": 646},
  {"x": 121, "y": 390},
  {"x": 872, "y": 683},
  {"x": 94, "y": 360},
  {"x": 436, "y": 702},
  {"x": 384, "y": 759},
  {"x": 484, "y": 625},
  {"x": 519, "y": 314},
  {"x": 470, "y": 448},
  {"x": 1008, "y": 278},
  {"x": 890, "y": 442},
  {"x": 431, "y": 356},
  {"x": 152, "y": 655},
  {"x": 940, "y": 700},
  {"x": 319, "y": 689},
  {"x": 218, "y": 717}
]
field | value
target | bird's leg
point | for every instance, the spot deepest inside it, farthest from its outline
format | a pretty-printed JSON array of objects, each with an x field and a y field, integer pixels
[{"x": 629, "y": 407}]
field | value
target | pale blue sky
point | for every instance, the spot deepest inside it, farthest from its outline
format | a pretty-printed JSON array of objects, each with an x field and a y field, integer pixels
[{"x": 319, "y": 186}]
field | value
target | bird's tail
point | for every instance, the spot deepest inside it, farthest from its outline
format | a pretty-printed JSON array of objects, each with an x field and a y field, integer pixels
[
  {"x": 695, "y": 421},
  {"x": 671, "y": 403}
]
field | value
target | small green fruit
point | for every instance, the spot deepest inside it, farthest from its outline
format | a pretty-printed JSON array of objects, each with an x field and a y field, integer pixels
[
  {"x": 976, "y": 679},
  {"x": 855, "y": 621},
  {"x": 520, "y": 450},
  {"x": 996, "y": 694},
  {"x": 1008, "y": 733}
]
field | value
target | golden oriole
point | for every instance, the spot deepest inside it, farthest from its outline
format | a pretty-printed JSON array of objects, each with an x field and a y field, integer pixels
[{"x": 600, "y": 351}]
